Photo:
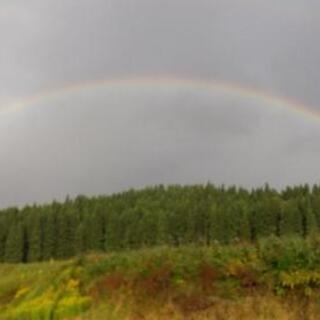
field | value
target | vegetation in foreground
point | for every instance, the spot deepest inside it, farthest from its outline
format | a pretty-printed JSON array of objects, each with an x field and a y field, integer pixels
[{"x": 276, "y": 278}]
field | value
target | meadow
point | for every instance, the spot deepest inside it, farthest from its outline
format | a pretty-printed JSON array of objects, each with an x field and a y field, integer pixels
[{"x": 275, "y": 278}]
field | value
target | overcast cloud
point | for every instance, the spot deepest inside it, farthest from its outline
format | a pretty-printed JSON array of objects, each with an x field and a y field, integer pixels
[{"x": 105, "y": 140}]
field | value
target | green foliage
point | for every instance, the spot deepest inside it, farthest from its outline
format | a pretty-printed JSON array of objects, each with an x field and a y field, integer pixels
[
  {"x": 34, "y": 238},
  {"x": 155, "y": 216},
  {"x": 41, "y": 292},
  {"x": 68, "y": 289},
  {"x": 289, "y": 253},
  {"x": 15, "y": 244}
]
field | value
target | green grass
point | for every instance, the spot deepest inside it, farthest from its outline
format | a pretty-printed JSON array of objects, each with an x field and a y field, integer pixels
[{"x": 167, "y": 282}]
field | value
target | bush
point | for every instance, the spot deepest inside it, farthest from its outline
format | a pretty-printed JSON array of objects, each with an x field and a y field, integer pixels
[{"x": 288, "y": 253}]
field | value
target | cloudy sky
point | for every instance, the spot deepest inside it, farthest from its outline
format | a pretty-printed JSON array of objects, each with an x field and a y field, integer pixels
[{"x": 107, "y": 138}]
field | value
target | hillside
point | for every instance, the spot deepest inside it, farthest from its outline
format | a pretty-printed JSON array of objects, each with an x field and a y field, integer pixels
[
  {"x": 177, "y": 252},
  {"x": 156, "y": 216},
  {"x": 276, "y": 279}
]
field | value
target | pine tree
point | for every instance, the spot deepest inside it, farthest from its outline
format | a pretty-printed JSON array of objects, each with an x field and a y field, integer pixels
[
  {"x": 3, "y": 236},
  {"x": 291, "y": 220},
  {"x": 66, "y": 230},
  {"x": 80, "y": 239},
  {"x": 34, "y": 238},
  {"x": 50, "y": 232},
  {"x": 15, "y": 244},
  {"x": 309, "y": 223}
]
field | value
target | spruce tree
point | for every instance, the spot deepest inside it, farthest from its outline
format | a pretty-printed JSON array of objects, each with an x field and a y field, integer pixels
[
  {"x": 15, "y": 245},
  {"x": 291, "y": 219},
  {"x": 34, "y": 238},
  {"x": 50, "y": 232}
]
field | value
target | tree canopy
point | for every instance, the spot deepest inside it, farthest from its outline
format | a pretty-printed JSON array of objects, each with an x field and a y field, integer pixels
[{"x": 161, "y": 215}]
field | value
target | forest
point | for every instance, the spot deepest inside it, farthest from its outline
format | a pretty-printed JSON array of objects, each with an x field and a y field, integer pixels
[{"x": 156, "y": 216}]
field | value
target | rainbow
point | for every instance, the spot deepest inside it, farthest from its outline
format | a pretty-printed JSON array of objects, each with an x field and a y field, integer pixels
[{"x": 192, "y": 84}]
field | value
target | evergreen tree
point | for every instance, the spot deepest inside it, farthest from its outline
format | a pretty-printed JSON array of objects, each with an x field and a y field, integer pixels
[
  {"x": 291, "y": 220},
  {"x": 50, "y": 232},
  {"x": 80, "y": 239},
  {"x": 34, "y": 238},
  {"x": 173, "y": 215},
  {"x": 15, "y": 245}
]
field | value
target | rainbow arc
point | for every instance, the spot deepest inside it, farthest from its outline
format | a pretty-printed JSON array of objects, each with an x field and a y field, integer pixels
[{"x": 192, "y": 84}]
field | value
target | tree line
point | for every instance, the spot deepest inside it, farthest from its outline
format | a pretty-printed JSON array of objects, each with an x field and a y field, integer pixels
[{"x": 161, "y": 215}]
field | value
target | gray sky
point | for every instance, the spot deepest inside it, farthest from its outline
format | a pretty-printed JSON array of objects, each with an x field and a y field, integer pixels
[{"x": 107, "y": 139}]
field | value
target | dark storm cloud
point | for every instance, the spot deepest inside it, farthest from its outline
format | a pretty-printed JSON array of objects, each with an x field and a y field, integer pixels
[{"x": 101, "y": 141}]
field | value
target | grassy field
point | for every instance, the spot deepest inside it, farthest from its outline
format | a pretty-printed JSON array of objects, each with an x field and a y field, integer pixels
[{"x": 275, "y": 279}]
